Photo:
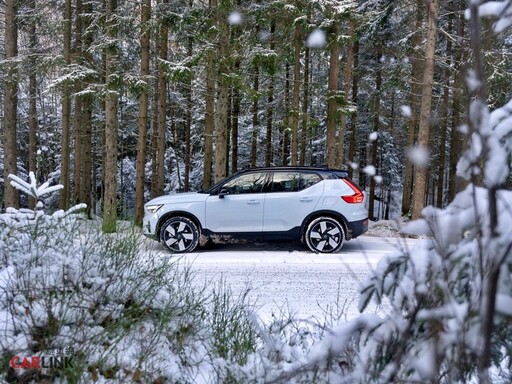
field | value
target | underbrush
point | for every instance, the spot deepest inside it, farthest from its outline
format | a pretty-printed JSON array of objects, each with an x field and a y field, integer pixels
[{"x": 120, "y": 313}]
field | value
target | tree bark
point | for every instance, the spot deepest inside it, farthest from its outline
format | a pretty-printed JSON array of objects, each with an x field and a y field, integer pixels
[
  {"x": 188, "y": 123},
  {"x": 456, "y": 184},
  {"x": 444, "y": 116},
  {"x": 420, "y": 179},
  {"x": 221, "y": 122},
  {"x": 286, "y": 121},
  {"x": 32, "y": 109},
  {"x": 86, "y": 194},
  {"x": 209, "y": 120},
  {"x": 111, "y": 100},
  {"x": 296, "y": 90},
  {"x": 78, "y": 143},
  {"x": 270, "y": 102},
  {"x": 353, "y": 115},
  {"x": 234, "y": 124},
  {"x": 332, "y": 103},
  {"x": 413, "y": 120},
  {"x": 376, "y": 117},
  {"x": 305, "y": 133},
  {"x": 163, "y": 48},
  {"x": 255, "y": 120},
  {"x": 66, "y": 110},
  {"x": 347, "y": 82},
  {"x": 140, "y": 173}
]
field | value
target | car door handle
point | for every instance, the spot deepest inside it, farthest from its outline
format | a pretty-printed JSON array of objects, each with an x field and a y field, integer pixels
[
  {"x": 306, "y": 199},
  {"x": 253, "y": 202}
]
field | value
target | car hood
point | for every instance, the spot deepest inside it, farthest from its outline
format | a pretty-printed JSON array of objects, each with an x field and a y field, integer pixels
[{"x": 185, "y": 197}]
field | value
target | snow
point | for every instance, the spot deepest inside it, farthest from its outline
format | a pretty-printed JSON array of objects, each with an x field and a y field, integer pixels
[
  {"x": 285, "y": 279},
  {"x": 235, "y": 18},
  {"x": 419, "y": 156},
  {"x": 316, "y": 39},
  {"x": 370, "y": 170},
  {"x": 264, "y": 36},
  {"x": 373, "y": 136},
  {"x": 406, "y": 110}
]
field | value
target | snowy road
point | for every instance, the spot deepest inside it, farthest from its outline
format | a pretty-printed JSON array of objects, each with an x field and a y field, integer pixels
[{"x": 284, "y": 277}]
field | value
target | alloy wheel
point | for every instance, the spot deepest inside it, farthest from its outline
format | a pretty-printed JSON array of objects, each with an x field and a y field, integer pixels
[
  {"x": 179, "y": 235},
  {"x": 324, "y": 235}
]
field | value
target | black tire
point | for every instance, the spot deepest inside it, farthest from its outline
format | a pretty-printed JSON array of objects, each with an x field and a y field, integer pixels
[
  {"x": 179, "y": 235},
  {"x": 324, "y": 235}
]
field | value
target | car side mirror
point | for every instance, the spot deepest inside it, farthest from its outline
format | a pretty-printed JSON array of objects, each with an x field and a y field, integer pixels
[{"x": 223, "y": 192}]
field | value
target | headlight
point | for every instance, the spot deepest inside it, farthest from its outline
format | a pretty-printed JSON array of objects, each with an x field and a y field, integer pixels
[{"x": 153, "y": 208}]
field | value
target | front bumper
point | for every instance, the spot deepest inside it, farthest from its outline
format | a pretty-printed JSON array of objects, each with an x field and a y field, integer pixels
[{"x": 149, "y": 223}]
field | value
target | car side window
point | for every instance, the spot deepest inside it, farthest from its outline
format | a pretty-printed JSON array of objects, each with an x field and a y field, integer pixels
[
  {"x": 247, "y": 183},
  {"x": 293, "y": 181},
  {"x": 309, "y": 179}
]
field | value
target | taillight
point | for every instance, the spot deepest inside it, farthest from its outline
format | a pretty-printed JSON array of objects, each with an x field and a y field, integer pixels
[{"x": 358, "y": 195}]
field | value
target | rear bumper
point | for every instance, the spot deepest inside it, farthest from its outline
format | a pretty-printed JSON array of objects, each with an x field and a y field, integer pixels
[{"x": 357, "y": 228}]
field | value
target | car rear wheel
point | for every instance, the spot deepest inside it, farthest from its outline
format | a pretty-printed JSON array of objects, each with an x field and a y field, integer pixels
[
  {"x": 179, "y": 235},
  {"x": 324, "y": 235}
]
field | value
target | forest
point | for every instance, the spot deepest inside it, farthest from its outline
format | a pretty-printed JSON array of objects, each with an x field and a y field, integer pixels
[
  {"x": 120, "y": 101},
  {"x": 111, "y": 102}
]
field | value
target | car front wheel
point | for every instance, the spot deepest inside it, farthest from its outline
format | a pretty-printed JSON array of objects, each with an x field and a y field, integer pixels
[
  {"x": 324, "y": 235},
  {"x": 179, "y": 235}
]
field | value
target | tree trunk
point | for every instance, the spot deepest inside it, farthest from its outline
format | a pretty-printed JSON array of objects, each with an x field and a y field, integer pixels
[
  {"x": 353, "y": 115},
  {"x": 228, "y": 128},
  {"x": 376, "y": 117},
  {"x": 286, "y": 120},
  {"x": 163, "y": 48},
  {"x": 296, "y": 90},
  {"x": 140, "y": 173},
  {"x": 209, "y": 120},
  {"x": 255, "y": 122},
  {"x": 86, "y": 194},
  {"x": 188, "y": 124},
  {"x": 305, "y": 107},
  {"x": 456, "y": 184},
  {"x": 332, "y": 103},
  {"x": 413, "y": 121},
  {"x": 234, "y": 124},
  {"x": 66, "y": 109},
  {"x": 270, "y": 102},
  {"x": 77, "y": 156},
  {"x": 32, "y": 108},
  {"x": 222, "y": 103},
  {"x": 111, "y": 100},
  {"x": 420, "y": 179},
  {"x": 444, "y": 116},
  {"x": 154, "y": 142},
  {"x": 340, "y": 154}
]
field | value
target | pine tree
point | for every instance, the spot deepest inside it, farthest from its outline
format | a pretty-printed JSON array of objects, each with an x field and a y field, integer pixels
[
  {"x": 420, "y": 179},
  {"x": 10, "y": 101}
]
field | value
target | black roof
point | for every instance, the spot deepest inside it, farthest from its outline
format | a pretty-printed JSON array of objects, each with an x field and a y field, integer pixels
[{"x": 294, "y": 168}]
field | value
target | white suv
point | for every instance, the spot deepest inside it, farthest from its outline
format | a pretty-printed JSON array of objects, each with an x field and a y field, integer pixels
[{"x": 319, "y": 206}]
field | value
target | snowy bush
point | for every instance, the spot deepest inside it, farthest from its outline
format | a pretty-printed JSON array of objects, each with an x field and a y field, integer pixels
[
  {"x": 449, "y": 298},
  {"x": 126, "y": 313}
]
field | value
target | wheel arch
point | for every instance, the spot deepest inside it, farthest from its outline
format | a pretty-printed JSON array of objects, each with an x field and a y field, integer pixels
[
  {"x": 324, "y": 213},
  {"x": 166, "y": 216}
]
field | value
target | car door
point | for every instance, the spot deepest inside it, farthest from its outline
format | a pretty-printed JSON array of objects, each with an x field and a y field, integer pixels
[
  {"x": 239, "y": 208},
  {"x": 292, "y": 196}
]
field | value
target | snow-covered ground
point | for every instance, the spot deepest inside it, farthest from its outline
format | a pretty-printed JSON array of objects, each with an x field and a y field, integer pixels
[{"x": 282, "y": 278}]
